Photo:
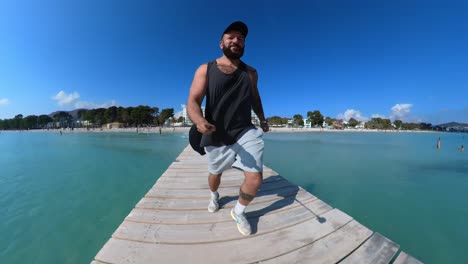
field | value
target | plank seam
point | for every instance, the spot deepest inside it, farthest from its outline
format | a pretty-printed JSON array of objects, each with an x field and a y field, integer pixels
[
  {"x": 229, "y": 219},
  {"x": 324, "y": 236}
]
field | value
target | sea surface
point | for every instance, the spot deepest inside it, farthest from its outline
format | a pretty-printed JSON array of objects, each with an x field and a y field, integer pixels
[{"x": 62, "y": 197}]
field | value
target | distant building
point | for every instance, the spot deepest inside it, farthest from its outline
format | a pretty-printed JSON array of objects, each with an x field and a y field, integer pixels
[
  {"x": 113, "y": 125},
  {"x": 187, "y": 121},
  {"x": 255, "y": 119}
]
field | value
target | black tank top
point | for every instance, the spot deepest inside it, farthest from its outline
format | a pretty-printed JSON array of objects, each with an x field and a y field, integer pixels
[{"x": 228, "y": 104}]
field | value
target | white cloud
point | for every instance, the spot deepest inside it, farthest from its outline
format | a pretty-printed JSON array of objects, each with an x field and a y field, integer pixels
[
  {"x": 3, "y": 101},
  {"x": 178, "y": 114},
  {"x": 72, "y": 99},
  {"x": 91, "y": 105},
  {"x": 351, "y": 113},
  {"x": 378, "y": 116},
  {"x": 64, "y": 99},
  {"x": 400, "y": 111}
]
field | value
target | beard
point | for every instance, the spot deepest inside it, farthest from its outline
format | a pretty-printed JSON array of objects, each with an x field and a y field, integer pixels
[{"x": 233, "y": 55}]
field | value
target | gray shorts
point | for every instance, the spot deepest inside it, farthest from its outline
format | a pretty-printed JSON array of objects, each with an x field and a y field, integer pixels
[{"x": 246, "y": 154}]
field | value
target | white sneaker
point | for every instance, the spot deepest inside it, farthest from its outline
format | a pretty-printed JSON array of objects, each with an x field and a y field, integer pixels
[
  {"x": 213, "y": 206},
  {"x": 242, "y": 223}
]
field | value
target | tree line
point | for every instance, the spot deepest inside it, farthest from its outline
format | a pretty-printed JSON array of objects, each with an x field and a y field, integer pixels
[
  {"x": 316, "y": 119},
  {"x": 129, "y": 116},
  {"x": 151, "y": 116}
]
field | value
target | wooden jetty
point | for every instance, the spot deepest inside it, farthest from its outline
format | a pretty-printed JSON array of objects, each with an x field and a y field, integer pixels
[{"x": 171, "y": 224}]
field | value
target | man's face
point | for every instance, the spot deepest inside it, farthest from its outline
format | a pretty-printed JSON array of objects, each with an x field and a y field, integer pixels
[{"x": 233, "y": 44}]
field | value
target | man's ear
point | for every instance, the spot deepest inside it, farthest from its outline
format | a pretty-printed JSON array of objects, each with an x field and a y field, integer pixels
[{"x": 221, "y": 44}]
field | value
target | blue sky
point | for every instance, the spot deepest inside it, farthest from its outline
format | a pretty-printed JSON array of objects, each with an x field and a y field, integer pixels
[{"x": 396, "y": 59}]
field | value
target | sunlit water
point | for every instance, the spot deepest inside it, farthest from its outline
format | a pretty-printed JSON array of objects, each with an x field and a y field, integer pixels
[{"x": 63, "y": 196}]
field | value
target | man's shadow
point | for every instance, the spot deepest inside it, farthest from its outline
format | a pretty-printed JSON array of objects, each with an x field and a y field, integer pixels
[{"x": 273, "y": 185}]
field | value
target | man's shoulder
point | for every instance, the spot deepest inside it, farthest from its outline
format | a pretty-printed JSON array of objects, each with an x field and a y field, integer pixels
[{"x": 250, "y": 69}]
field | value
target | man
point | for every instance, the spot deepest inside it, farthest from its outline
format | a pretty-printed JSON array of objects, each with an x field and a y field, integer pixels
[{"x": 228, "y": 135}]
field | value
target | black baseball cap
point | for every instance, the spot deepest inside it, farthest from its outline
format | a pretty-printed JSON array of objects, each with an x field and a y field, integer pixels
[{"x": 237, "y": 26}]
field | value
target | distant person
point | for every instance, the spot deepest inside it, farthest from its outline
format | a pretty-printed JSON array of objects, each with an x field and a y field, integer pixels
[
  {"x": 438, "y": 143},
  {"x": 461, "y": 148},
  {"x": 228, "y": 135}
]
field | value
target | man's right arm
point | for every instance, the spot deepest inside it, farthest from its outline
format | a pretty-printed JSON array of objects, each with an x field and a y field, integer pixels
[{"x": 196, "y": 95}]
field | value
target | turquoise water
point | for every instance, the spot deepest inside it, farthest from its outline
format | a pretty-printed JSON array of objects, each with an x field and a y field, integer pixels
[
  {"x": 63, "y": 196},
  {"x": 395, "y": 183}
]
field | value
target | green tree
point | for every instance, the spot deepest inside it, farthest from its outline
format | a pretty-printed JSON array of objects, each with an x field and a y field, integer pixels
[
  {"x": 111, "y": 114},
  {"x": 398, "y": 123},
  {"x": 123, "y": 115},
  {"x": 99, "y": 116},
  {"x": 31, "y": 122},
  {"x": 166, "y": 114},
  {"x": 315, "y": 118},
  {"x": 330, "y": 121},
  {"x": 379, "y": 123},
  {"x": 44, "y": 120},
  {"x": 64, "y": 119},
  {"x": 18, "y": 122},
  {"x": 353, "y": 122},
  {"x": 298, "y": 120},
  {"x": 277, "y": 121}
]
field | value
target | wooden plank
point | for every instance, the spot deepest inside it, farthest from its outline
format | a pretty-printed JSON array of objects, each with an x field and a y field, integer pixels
[
  {"x": 224, "y": 230},
  {"x": 175, "y": 217},
  {"x": 330, "y": 249},
  {"x": 245, "y": 249},
  {"x": 377, "y": 250},
  {"x": 205, "y": 193},
  {"x": 226, "y": 201},
  {"x": 404, "y": 258}
]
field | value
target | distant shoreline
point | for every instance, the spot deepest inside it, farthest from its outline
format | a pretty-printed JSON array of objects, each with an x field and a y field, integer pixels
[{"x": 156, "y": 130}]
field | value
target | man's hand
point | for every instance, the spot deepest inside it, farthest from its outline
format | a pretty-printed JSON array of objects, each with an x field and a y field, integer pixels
[
  {"x": 264, "y": 126},
  {"x": 205, "y": 128}
]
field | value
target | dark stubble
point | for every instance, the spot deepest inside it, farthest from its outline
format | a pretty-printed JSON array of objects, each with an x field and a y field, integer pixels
[{"x": 231, "y": 55}]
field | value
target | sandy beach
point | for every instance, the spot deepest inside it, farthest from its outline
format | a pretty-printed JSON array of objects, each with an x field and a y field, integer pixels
[{"x": 156, "y": 130}]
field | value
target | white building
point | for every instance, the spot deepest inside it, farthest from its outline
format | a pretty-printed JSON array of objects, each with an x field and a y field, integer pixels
[
  {"x": 255, "y": 119},
  {"x": 187, "y": 121}
]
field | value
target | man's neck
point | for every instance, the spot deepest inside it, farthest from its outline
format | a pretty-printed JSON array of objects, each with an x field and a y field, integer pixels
[{"x": 225, "y": 60}]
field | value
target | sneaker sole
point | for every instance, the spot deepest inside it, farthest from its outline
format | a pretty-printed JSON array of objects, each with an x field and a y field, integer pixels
[
  {"x": 216, "y": 210},
  {"x": 240, "y": 231},
  {"x": 213, "y": 211}
]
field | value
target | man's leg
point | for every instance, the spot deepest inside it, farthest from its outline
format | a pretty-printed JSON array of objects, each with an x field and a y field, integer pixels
[
  {"x": 248, "y": 189},
  {"x": 247, "y": 192},
  {"x": 214, "y": 180},
  {"x": 219, "y": 159},
  {"x": 250, "y": 160}
]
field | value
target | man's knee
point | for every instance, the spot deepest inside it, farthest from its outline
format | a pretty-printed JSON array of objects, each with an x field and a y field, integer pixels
[
  {"x": 215, "y": 175},
  {"x": 254, "y": 178}
]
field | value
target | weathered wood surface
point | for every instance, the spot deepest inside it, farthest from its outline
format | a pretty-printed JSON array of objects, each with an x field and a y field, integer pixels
[{"x": 171, "y": 224}]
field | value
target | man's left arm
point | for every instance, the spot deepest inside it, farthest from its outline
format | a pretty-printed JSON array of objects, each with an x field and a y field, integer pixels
[{"x": 256, "y": 100}]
